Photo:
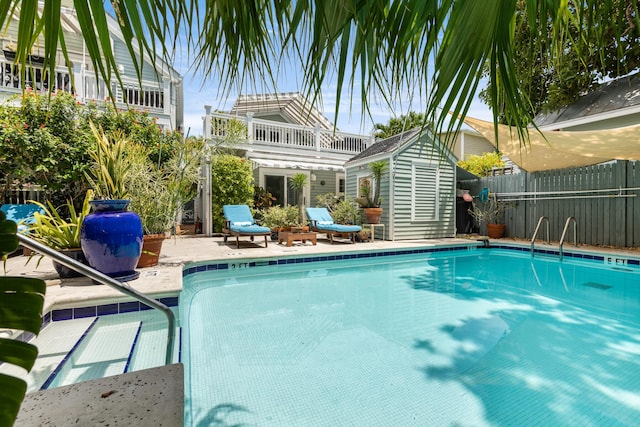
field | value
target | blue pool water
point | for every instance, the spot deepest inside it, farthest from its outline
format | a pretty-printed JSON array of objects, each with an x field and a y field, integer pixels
[{"x": 480, "y": 337}]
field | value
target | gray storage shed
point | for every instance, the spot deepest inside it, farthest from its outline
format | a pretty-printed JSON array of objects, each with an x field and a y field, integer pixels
[{"x": 419, "y": 189}]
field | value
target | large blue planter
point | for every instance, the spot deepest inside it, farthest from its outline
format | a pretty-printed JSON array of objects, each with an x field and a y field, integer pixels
[{"x": 111, "y": 239}]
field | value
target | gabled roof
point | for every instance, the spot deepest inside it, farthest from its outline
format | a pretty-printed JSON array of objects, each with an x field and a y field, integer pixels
[
  {"x": 617, "y": 95},
  {"x": 291, "y": 105},
  {"x": 388, "y": 145}
]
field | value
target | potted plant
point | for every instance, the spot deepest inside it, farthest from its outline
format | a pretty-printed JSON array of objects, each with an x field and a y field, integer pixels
[
  {"x": 297, "y": 183},
  {"x": 490, "y": 213},
  {"x": 279, "y": 218},
  {"x": 61, "y": 233},
  {"x": 159, "y": 190},
  {"x": 371, "y": 205},
  {"x": 111, "y": 236},
  {"x": 21, "y": 302}
]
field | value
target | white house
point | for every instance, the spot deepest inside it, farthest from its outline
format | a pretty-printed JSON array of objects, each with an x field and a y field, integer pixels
[{"x": 161, "y": 93}]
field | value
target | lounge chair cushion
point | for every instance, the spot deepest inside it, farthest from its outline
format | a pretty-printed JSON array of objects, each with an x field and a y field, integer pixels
[
  {"x": 321, "y": 220},
  {"x": 339, "y": 228},
  {"x": 23, "y": 215},
  {"x": 249, "y": 229},
  {"x": 241, "y": 221}
]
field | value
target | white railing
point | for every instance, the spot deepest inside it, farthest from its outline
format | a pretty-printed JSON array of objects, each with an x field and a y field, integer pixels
[
  {"x": 221, "y": 127},
  {"x": 87, "y": 87}
]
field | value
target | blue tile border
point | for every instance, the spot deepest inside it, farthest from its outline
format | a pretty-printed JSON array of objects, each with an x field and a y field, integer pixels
[
  {"x": 319, "y": 258},
  {"x": 103, "y": 310},
  {"x": 338, "y": 257},
  {"x": 133, "y": 346}
]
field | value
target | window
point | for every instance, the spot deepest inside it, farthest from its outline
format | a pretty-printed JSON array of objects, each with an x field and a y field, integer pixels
[
  {"x": 340, "y": 184},
  {"x": 365, "y": 186},
  {"x": 425, "y": 197}
]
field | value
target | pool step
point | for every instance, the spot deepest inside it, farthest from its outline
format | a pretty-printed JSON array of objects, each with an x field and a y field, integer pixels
[
  {"x": 54, "y": 343},
  {"x": 104, "y": 351}
]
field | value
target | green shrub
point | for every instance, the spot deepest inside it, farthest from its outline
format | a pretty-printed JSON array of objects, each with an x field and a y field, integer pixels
[
  {"x": 482, "y": 165},
  {"x": 280, "y": 216},
  {"x": 346, "y": 212},
  {"x": 231, "y": 184}
]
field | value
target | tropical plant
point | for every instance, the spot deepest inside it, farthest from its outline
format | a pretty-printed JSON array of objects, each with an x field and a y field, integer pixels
[
  {"x": 108, "y": 176},
  {"x": 399, "y": 124},
  {"x": 55, "y": 230},
  {"x": 159, "y": 190},
  {"x": 346, "y": 212},
  {"x": 280, "y": 217},
  {"x": 297, "y": 183},
  {"x": 231, "y": 184},
  {"x": 489, "y": 212},
  {"x": 328, "y": 200},
  {"x": 378, "y": 168},
  {"x": 21, "y": 302},
  {"x": 482, "y": 165}
]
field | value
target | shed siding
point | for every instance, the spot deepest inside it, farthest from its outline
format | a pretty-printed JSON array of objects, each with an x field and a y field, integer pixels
[
  {"x": 405, "y": 227},
  {"x": 408, "y": 198}
]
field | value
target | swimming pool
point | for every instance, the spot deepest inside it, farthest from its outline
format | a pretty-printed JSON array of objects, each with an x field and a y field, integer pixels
[{"x": 462, "y": 337}]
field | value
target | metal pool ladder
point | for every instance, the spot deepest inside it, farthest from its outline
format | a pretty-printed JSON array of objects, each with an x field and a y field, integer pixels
[
  {"x": 564, "y": 232},
  {"x": 106, "y": 280},
  {"x": 535, "y": 233}
]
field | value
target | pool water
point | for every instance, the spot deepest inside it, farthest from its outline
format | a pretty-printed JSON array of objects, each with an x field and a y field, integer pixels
[{"x": 468, "y": 338}]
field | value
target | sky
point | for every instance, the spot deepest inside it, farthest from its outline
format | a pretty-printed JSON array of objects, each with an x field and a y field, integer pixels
[{"x": 197, "y": 95}]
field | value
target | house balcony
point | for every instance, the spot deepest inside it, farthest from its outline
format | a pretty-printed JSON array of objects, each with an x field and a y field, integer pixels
[
  {"x": 255, "y": 135},
  {"x": 86, "y": 87}
]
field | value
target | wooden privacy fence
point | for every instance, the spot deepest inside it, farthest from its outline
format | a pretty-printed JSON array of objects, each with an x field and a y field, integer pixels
[{"x": 604, "y": 199}]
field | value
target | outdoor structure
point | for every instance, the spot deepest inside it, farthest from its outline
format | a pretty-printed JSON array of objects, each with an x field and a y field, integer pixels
[
  {"x": 282, "y": 136},
  {"x": 161, "y": 93},
  {"x": 583, "y": 165},
  {"x": 418, "y": 190}
]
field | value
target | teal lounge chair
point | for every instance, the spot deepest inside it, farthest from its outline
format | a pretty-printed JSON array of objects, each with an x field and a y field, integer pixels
[
  {"x": 23, "y": 215},
  {"x": 322, "y": 222},
  {"x": 239, "y": 222}
]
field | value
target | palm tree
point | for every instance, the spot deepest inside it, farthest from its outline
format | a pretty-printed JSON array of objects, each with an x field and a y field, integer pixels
[{"x": 437, "y": 47}]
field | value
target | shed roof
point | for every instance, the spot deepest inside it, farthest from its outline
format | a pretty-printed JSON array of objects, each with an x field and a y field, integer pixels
[{"x": 388, "y": 145}]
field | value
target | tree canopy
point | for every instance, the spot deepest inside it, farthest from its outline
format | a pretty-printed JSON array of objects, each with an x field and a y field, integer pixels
[
  {"x": 436, "y": 49},
  {"x": 592, "y": 51},
  {"x": 399, "y": 124}
]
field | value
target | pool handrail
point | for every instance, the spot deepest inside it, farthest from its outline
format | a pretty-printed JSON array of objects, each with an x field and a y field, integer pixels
[
  {"x": 564, "y": 233},
  {"x": 109, "y": 281},
  {"x": 535, "y": 233}
]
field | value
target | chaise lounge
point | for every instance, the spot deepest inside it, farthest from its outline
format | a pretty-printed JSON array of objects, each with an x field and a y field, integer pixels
[
  {"x": 322, "y": 222},
  {"x": 22, "y": 214},
  {"x": 239, "y": 222}
]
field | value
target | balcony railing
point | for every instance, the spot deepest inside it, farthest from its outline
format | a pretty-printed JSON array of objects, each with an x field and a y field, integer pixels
[
  {"x": 224, "y": 127},
  {"x": 87, "y": 86}
]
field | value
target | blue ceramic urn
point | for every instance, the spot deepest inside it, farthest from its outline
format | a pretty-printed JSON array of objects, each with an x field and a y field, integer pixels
[{"x": 111, "y": 239}]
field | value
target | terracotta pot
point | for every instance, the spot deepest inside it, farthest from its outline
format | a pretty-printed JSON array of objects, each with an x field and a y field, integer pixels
[
  {"x": 151, "y": 247},
  {"x": 495, "y": 231},
  {"x": 372, "y": 215}
]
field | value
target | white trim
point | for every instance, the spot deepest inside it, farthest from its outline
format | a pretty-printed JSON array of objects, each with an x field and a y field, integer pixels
[
  {"x": 436, "y": 194},
  {"x": 593, "y": 118}
]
